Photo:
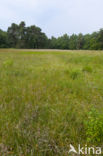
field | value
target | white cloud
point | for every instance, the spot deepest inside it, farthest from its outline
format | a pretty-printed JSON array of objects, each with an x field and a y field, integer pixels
[{"x": 55, "y": 17}]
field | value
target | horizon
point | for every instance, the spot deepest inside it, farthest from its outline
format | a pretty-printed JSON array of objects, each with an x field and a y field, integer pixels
[{"x": 52, "y": 35}]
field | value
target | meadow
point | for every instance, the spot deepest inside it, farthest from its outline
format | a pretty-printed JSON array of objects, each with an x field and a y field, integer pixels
[{"x": 49, "y": 100}]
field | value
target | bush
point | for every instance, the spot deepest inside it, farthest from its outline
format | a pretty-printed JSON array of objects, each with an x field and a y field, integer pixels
[
  {"x": 8, "y": 63},
  {"x": 75, "y": 74},
  {"x": 87, "y": 69},
  {"x": 94, "y": 127}
]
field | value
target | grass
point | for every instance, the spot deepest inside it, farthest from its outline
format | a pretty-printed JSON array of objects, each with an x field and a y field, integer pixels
[{"x": 46, "y": 98}]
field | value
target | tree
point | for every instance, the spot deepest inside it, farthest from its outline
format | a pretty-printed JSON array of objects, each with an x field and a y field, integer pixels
[
  {"x": 94, "y": 41},
  {"x": 13, "y": 35},
  {"x": 3, "y": 39},
  {"x": 20, "y": 36},
  {"x": 22, "y": 33},
  {"x": 73, "y": 42},
  {"x": 80, "y": 41},
  {"x": 53, "y": 43},
  {"x": 63, "y": 42},
  {"x": 100, "y": 39},
  {"x": 35, "y": 38},
  {"x": 87, "y": 39}
]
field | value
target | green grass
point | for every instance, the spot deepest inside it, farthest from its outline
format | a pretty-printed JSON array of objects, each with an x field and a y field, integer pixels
[{"x": 46, "y": 98}]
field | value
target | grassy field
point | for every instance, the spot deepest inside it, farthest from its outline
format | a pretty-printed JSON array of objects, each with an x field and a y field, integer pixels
[{"x": 49, "y": 100}]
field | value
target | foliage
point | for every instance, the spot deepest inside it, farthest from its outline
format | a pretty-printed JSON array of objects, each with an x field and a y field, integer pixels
[
  {"x": 87, "y": 69},
  {"x": 94, "y": 126},
  {"x": 21, "y": 36},
  {"x": 3, "y": 39},
  {"x": 32, "y": 37},
  {"x": 8, "y": 63},
  {"x": 75, "y": 74}
]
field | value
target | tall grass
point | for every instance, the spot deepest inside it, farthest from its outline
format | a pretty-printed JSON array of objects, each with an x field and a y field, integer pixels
[{"x": 46, "y": 100}]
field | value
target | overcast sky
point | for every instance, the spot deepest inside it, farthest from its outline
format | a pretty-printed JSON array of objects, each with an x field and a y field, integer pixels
[{"x": 54, "y": 17}]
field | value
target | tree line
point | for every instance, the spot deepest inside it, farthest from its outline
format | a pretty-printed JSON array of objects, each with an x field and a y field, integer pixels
[{"x": 32, "y": 37}]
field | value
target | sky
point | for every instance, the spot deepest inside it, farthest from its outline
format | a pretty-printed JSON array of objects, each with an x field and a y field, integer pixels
[{"x": 54, "y": 17}]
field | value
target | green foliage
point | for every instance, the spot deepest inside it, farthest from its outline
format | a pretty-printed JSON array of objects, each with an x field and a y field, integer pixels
[
  {"x": 80, "y": 41},
  {"x": 21, "y": 36},
  {"x": 73, "y": 42},
  {"x": 32, "y": 37},
  {"x": 75, "y": 74},
  {"x": 3, "y": 39},
  {"x": 60, "y": 42},
  {"x": 8, "y": 63},
  {"x": 87, "y": 69},
  {"x": 94, "y": 127}
]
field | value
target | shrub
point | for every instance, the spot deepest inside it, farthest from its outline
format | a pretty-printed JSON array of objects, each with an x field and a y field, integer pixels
[
  {"x": 87, "y": 69},
  {"x": 94, "y": 127},
  {"x": 75, "y": 74},
  {"x": 8, "y": 63}
]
